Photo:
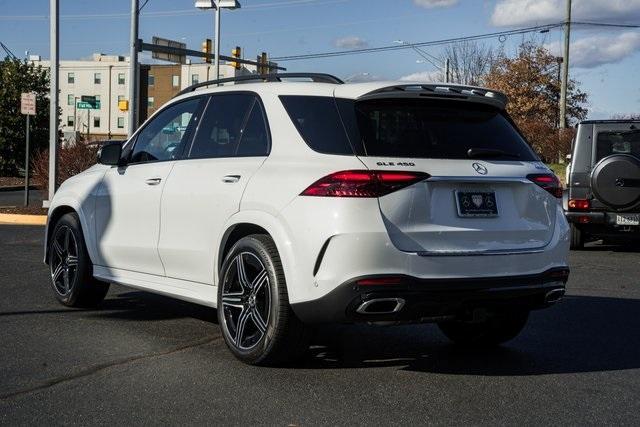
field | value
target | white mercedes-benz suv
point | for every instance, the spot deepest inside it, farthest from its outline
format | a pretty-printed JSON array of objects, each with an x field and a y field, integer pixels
[{"x": 292, "y": 200}]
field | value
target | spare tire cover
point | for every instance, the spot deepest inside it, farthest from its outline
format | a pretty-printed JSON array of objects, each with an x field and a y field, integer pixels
[{"x": 615, "y": 181}]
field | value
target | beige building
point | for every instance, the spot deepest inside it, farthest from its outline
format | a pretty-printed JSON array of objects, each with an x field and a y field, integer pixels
[{"x": 107, "y": 78}]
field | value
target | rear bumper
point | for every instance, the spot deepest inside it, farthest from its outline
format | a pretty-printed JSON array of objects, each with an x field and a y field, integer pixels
[
  {"x": 601, "y": 223},
  {"x": 421, "y": 300}
]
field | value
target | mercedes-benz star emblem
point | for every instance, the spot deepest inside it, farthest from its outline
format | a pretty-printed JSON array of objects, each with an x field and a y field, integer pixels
[{"x": 482, "y": 170}]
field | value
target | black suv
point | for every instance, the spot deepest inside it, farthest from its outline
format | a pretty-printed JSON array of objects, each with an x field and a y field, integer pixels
[{"x": 603, "y": 181}]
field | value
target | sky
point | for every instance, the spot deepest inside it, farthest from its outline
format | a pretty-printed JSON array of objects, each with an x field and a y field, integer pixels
[{"x": 605, "y": 60}]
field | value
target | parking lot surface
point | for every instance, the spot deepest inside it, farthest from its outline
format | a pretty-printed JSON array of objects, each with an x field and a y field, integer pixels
[{"x": 146, "y": 359}]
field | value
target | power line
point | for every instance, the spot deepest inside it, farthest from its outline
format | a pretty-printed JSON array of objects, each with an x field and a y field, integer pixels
[
  {"x": 170, "y": 13},
  {"x": 499, "y": 34},
  {"x": 419, "y": 44}
]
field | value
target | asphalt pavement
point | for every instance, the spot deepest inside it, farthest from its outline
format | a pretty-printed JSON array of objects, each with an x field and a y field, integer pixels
[
  {"x": 147, "y": 359},
  {"x": 16, "y": 198}
]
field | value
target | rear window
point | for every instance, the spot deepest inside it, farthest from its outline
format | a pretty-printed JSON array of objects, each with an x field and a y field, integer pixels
[
  {"x": 609, "y": 143},
  {"x": 436, "y": 129},
  {"x": 414, "y": 128}
]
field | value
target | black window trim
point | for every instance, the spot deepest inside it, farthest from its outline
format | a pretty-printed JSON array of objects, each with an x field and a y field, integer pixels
[
  {"x": 128, "y": 149},
  {"x": 257, "y": 99}
]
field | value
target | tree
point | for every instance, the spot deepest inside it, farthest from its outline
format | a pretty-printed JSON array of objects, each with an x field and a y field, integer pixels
[
  {"x": 469, "y": 62},
  {"x": 531, "y": 82},
  {"x": 16, "y": 77}
]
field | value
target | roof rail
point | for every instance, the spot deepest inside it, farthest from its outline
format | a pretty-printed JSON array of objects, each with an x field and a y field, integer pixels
[{"x": 277, "y": 77}]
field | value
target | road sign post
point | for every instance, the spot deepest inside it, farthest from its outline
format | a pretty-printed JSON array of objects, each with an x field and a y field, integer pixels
[{"x": 28, "y": 108}]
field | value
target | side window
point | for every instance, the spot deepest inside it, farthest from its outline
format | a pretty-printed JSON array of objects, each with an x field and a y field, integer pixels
[
  {"x": 227, "y": 122},
  {"x": 255, "y": 135},
  {"x": 162, "y": 138}
]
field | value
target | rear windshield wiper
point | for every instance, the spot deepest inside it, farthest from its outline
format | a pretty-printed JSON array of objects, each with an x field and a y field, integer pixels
[{"x": 479, "y": 153}]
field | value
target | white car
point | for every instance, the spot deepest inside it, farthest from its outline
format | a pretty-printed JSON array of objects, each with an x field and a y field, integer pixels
[{"x": 291, "y": 203}]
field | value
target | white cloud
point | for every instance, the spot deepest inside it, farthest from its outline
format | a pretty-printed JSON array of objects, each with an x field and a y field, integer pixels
[
  {"x": 431, "y": 4},
  {"x": 590, "y": 52},
  {"x": 351, "y": 42},
  {"x": 527, "y": 12},
  {"x": 423, "y": 76}
]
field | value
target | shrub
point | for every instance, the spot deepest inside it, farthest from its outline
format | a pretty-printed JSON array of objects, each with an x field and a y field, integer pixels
[{"x": 72, "y": 160}]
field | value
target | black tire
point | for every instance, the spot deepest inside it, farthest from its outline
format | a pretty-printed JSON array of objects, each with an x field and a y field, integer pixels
[
  {"x": 494, "y": 330},
  {"x": 577, "y": 238},
  {"x": 70, "y": 267},
  {"x": 283, "y": 338}
]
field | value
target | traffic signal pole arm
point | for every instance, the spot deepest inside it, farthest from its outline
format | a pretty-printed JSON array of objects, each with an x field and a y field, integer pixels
[{"x": 142, "y": 46}]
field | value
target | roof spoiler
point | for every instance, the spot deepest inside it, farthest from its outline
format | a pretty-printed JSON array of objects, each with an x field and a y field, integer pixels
[{"x": 441, "y": 90}]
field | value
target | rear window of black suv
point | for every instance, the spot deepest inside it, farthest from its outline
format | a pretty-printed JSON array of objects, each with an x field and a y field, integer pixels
[{"x": 411, "y": 128}]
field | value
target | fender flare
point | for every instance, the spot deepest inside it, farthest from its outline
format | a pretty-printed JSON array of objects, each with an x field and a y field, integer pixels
[{"x": 277, "y": 231}]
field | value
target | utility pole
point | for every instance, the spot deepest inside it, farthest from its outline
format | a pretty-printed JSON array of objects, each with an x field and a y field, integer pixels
[
  {"x": 447, "y": 67},
  {"x": 565, "y": 68},
  {"x": 54, "y": 60},
  {"x": 133, "y": 68}
]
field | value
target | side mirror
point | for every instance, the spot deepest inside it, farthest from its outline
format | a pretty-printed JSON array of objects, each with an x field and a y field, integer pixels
[{"x": 110, "y": 153}]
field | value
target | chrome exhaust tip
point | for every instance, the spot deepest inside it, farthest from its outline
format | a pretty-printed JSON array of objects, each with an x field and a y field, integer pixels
[
  {"x": 554, "y": 296},
  {"x": 381, "y": 306}
]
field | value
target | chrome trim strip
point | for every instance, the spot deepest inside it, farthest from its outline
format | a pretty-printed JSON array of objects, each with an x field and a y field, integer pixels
[
  {"x": 476, "y": 179},
  {"x": 483, "y": 253}
]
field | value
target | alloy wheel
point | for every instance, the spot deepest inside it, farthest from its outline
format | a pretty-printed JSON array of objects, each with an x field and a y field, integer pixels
[
  {"x": 63, "y": 264},
  {"x": 246, "y": 300}
]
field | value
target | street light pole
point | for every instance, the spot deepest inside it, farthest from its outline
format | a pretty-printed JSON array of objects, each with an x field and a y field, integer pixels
[
  {"x": 133, "y": 68},
  {"x": 216, "y": 49},
  {"x": 54, "y": 22},
  {"x": 565, "y": 68}
]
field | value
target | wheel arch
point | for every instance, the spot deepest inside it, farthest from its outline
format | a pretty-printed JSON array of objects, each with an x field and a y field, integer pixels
[
  {"x": 246, "y": 223},
  {"x": 54, "y": 216}
]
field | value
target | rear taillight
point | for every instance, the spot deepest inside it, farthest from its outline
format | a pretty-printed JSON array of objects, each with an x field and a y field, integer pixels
[
  {"x": 549, "y": 182},
  {"x": 362, "y": 183},
  {"x": 579, "y": 204}
]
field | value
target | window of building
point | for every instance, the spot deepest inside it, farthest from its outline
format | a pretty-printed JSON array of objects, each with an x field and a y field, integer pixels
[
  {"x": 120, "y": 98},
  {"x": 98, "y": 106},
  {"x": 71, "y": 78},
  {"x": 195, "y": 78},
  {"x": 151, "y": 102},
  {"x": 120, "y": 122},
  {"x": 96, "y": 121},
  {"x": 70, "y": 121},
  {"x": 97, "y": 78},
  {"x": 175, "y": 81},
  {"x": 71, "y": 99},
  {"x": 151, "y": 80},
  {"x": 120, "y": 78}
]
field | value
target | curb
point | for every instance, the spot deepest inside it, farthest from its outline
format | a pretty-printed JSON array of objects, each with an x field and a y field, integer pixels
[{"x": 18, "y": 219}]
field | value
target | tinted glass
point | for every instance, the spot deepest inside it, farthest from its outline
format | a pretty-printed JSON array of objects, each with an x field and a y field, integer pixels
[
  {"x": 435, "y": 129},
  {"x": 221, "y": 127},
  {"x": 318, "y": 122},
  {"x": 162, "y": 138},
  {"x": 609, "y": 143},
  {"x": 255, "y": 136}
]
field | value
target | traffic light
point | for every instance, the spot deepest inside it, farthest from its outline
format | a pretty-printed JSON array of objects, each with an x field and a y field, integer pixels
[
  {"x": 236, "y": 53},
  {"x": 263, "y": 67},
  {"x": 206, "y": 48}
]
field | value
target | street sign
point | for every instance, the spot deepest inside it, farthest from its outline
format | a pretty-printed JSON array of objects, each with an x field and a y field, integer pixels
[
  {"x": 28, "y": 104},
  {"x": 88, "y": 105},
  {"x": 171, "y": 57},
  {"x": 88, "y": 98}
]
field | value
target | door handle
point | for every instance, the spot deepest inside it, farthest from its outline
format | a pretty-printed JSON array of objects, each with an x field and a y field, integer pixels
[
  {"x": 230, "y": 179},
  {"x": 153, "y": 181}
]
